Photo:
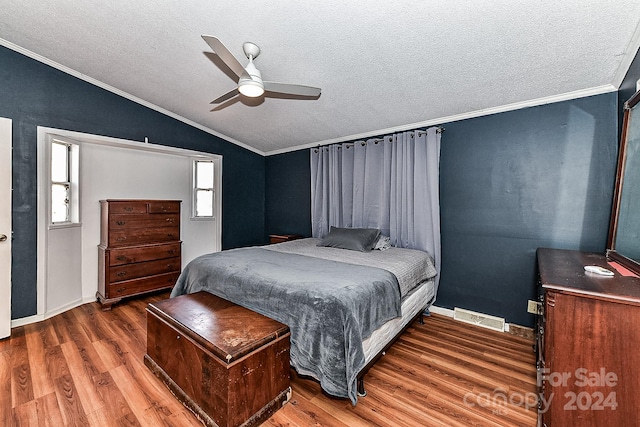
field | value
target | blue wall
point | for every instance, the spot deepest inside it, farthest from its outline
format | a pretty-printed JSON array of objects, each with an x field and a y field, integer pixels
[
  {"x": 288, "y": 209},
  {"x": 33, "y": 94},
  {"x": 516, "y": 181},
  {"x": 510, "y": 183}
]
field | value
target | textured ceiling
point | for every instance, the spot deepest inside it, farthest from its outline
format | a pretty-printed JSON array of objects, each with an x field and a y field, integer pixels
[{"x": 382, "y": 66}]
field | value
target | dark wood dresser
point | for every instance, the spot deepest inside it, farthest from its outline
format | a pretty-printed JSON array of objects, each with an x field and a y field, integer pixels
[
  {"x": 588, "y": 342},
  {"x": 140, "y": 248}
]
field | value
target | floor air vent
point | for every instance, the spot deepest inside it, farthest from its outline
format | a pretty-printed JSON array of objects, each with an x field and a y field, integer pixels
[{"x": 484, "y": 320}]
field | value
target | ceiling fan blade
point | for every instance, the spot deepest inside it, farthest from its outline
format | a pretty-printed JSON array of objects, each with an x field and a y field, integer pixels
[
  {"x": 225, "y": 104},
  {"x": 226, "y": 96},
  {"x": 291, "y": 89},
  {"x": 224, "y": 54}
]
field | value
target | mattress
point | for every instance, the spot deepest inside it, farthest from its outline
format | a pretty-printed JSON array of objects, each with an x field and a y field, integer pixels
[{"x": 421, "y": 297}]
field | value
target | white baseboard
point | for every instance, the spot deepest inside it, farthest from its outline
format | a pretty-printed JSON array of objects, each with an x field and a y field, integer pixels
[
  {"x": 40, "y": 317},
  {"x": 449, "y": 313},
  {"x": 27, "y": 320},
  {"x": 440, "y": 310}
]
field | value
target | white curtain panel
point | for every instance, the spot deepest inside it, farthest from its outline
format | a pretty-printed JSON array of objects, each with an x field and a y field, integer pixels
[{"x": 390, "y": 183}]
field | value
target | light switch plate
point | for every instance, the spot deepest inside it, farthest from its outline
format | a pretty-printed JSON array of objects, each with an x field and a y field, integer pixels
[{"x": 534, "y": 307}]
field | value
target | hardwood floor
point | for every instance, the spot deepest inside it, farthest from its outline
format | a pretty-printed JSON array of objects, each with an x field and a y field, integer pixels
[{"x": 85, "y": 368}]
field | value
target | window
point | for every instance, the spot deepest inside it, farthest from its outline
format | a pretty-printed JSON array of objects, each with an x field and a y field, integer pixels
[
  {"x": 203, "y": 192},
  {"x": 60, "y": 183},
  {"x": 64, "y": 182}
]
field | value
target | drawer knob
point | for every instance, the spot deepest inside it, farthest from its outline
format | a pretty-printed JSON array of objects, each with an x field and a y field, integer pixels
[
  {"x": 171, "y": 251},
  {"x": 120, "y": 290},
  {"x": 121, "y": 222},
  {"x": 121, "y": 239},
  {"x": 128, "y": 208},
  {"x": 121, "y": 258},
  {"x": 122, "y": 273},
  {"x": 169, "y": 219}
]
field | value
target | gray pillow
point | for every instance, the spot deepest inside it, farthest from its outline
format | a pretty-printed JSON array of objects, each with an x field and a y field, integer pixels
[{"x": 355, "y": 239}]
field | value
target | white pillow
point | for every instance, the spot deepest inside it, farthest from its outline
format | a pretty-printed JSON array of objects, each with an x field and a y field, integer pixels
[{"x": 383, "y": 243}]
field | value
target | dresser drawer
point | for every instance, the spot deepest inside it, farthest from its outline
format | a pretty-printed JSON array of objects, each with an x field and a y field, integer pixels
[
  {"x": 143, "y": 253},
  {"x": 143, "y": 235},
  {"x": 136, "y": 286},
  {"x": 127, "y": 207},
  {"x": 142, "y": 269},
  {"x": 164, "y": 207},
  {"x": 128, "y": 221}
]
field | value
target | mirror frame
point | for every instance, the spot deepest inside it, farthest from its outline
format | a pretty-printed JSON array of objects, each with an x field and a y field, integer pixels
[{"x": 612, "y": 254}]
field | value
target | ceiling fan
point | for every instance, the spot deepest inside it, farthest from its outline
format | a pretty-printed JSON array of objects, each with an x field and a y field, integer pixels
[{"x": 249, "y": 79}]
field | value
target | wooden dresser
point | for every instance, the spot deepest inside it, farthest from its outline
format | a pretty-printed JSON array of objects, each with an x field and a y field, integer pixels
[
  {"x": 140, "y": 248},
  {"x": 588, "y": 342}
]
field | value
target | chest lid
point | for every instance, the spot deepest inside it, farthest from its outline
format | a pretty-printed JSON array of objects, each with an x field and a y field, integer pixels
[{"x": 225, "y": 329}]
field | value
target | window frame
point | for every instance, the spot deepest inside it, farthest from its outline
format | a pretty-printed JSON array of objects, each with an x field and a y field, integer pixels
[
  {"x": 73, "y": 191},
  {"x": 66, "y": 183},
  {"x": 195, "y": 189}
]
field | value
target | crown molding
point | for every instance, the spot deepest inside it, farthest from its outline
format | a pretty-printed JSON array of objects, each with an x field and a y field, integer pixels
[{"x": 457, "y": 117}]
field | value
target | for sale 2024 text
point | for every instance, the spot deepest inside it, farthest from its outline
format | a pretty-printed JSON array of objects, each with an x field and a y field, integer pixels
[{"x": 602, "y": 381}]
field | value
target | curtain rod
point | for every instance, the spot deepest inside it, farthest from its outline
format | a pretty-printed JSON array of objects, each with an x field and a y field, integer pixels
[{"x": 439, "y": 129}]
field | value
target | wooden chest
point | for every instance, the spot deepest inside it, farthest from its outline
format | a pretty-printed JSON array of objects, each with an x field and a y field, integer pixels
[
  {"x": 139, "y": 248},
  {"x": 226, "y": 363}
]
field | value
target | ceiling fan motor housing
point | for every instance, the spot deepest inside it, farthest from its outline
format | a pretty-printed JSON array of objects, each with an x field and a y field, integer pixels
[
  {"x": 252, "y": 86},
  {"x": 253, "y": 71}
]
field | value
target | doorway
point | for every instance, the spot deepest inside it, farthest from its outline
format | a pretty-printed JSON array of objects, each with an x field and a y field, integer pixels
[{"x": 5, "y": 227}]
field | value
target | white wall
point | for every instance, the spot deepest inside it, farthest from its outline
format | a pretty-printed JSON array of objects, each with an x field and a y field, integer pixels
[
  {"x": 112, "y": 169},
  {"x": 64, "y": 267},
  {"x": 120, "y": 173}
]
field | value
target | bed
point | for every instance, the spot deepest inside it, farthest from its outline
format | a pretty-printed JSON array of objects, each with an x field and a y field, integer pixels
[{"x": 343, "y": 307}]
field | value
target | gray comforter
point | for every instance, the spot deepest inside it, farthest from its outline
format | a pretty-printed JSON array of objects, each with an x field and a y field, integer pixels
[
  {"x": 410, "y": 266},
  {"x": 330, "y": 306}
]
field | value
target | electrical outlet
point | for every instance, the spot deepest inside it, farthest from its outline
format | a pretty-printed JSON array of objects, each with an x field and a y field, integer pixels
[{"x": 534, "y": 307}]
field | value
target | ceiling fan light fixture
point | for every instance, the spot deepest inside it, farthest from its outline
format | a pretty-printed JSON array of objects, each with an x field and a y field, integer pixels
[{"x": 251, "y": 88}]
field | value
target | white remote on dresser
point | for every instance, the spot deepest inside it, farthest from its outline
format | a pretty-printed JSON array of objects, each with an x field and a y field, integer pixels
[{"x": 596, "y": 269}]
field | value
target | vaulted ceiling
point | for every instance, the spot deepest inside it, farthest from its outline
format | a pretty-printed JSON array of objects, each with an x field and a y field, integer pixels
[{"x": 382, "y": 66}]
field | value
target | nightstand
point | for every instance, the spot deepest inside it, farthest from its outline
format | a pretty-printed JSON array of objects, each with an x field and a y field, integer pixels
[{"x": 279, "y": 238}]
